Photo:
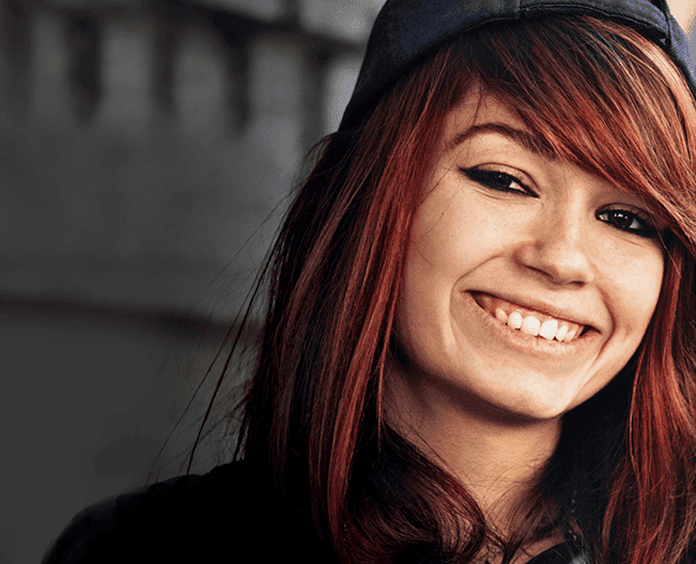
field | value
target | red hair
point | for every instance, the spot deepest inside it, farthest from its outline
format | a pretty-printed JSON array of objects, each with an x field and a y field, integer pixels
[{"x": 607, "y": 100}]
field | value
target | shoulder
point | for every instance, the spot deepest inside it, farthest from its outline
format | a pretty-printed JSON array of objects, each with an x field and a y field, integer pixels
[{"x": 222, "y": 515}]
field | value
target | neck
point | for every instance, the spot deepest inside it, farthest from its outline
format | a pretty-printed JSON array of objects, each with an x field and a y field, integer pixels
[{"x": 497, "y": 457}]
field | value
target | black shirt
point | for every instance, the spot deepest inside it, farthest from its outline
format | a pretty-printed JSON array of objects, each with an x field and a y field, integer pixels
[{"x": 221, "y": 516}]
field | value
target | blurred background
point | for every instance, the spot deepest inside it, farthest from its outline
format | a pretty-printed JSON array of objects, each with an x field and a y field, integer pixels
[{"x": 147, "y": 150}]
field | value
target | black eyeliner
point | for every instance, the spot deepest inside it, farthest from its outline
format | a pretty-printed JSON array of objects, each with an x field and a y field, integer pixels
[
  {"x": 647, "y": 231},
  {"x": 497, "y": 180}
]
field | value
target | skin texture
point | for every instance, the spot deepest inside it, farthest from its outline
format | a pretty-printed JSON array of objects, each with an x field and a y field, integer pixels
[{"x": 485, "y": 399}]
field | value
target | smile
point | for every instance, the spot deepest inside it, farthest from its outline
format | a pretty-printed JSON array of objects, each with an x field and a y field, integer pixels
[{"x": 527, "y": 321}]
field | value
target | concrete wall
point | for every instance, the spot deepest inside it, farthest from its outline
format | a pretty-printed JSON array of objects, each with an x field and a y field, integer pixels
[
  {"x": 147, "y": 150},
  {"x": 142, "y": 142}
]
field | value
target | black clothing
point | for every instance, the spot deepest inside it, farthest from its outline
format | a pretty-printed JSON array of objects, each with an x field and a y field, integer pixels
[
  {"x": 219, "y": 517},
  {"x": 222, "y": 516}
]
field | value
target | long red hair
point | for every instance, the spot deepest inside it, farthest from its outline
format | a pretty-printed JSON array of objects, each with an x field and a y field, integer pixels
[{"x": 607, "y": 100}]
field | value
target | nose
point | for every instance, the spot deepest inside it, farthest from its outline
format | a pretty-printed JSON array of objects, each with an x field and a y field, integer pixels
[{"x": 559, "y": 250}]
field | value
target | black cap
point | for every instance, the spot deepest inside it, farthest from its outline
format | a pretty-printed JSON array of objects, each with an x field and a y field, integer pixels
[{"x": 407, "y": 31}]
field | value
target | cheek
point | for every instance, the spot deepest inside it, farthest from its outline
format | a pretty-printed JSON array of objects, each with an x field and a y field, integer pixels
[
  {"x": 422, "y": 299},
  {"x": 450, "y": 236},
  {"x": 648, "y": 283},
  {"x": 640, "y": 283},
  {"x": 434, "y": 264}
]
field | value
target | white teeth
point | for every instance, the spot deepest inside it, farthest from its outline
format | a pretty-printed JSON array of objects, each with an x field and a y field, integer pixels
[
  {"x": 530, "y": 325},
  {"x": 561, "y": 333},
  {"x": 515, "y": 320},
  {"x": 548, "y": 329},
  {"x": 501, "y": 316}
]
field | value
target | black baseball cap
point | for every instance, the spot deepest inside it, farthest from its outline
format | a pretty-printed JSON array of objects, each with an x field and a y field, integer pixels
[{"x": 408, "y": 31}]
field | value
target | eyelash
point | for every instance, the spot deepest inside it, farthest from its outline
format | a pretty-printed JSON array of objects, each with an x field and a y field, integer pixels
[
  {"x": 502, "y": 181},
  {"x": 497, "y": 180},
  {"x": 645, "y": 229}
]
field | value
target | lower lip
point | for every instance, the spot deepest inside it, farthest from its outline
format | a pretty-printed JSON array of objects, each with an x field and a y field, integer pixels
[{"x": 523, "y": 342}]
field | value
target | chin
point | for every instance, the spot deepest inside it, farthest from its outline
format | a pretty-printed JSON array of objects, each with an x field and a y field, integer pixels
[
  {"x": 535, "y": 402},
  {"x": 539, "y": 411}
]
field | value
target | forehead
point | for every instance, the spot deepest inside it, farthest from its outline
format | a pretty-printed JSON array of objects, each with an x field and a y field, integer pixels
[
  {"x": 477, "y": 106},
  {"x": 480, "y": 113}
]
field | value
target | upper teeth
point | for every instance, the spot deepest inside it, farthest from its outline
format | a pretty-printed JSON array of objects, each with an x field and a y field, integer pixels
[{"x": 530, "y": 325}]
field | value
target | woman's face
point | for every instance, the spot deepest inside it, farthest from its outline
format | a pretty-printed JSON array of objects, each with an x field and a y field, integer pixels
[{"x": 529, "y": 282}]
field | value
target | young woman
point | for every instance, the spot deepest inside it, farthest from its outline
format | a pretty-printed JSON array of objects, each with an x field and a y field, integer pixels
[{"x": 479, "y": 342}]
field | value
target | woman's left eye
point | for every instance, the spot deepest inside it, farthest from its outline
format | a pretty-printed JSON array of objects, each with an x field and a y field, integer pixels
[{"x": 628, "y": 221}]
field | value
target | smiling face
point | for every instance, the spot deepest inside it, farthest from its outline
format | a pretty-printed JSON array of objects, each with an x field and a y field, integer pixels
[{"x": 529, "y": 282}]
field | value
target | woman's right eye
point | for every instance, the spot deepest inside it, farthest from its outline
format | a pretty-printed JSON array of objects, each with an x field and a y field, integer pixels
[{"x": 497, "y": 180}]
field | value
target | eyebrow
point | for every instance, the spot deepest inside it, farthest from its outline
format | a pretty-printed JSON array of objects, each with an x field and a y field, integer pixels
[{"x": 530, "y": 141}]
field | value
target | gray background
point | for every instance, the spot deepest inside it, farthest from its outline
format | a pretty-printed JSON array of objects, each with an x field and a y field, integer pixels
[{"x": 147, "y": 150}]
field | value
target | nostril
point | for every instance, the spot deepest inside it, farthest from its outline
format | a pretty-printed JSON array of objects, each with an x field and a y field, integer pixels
[{"x": 559, "y": 264}]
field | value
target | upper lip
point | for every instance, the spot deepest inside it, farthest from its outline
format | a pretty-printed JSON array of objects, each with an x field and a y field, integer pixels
[{"x": 554, "y": 310}]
